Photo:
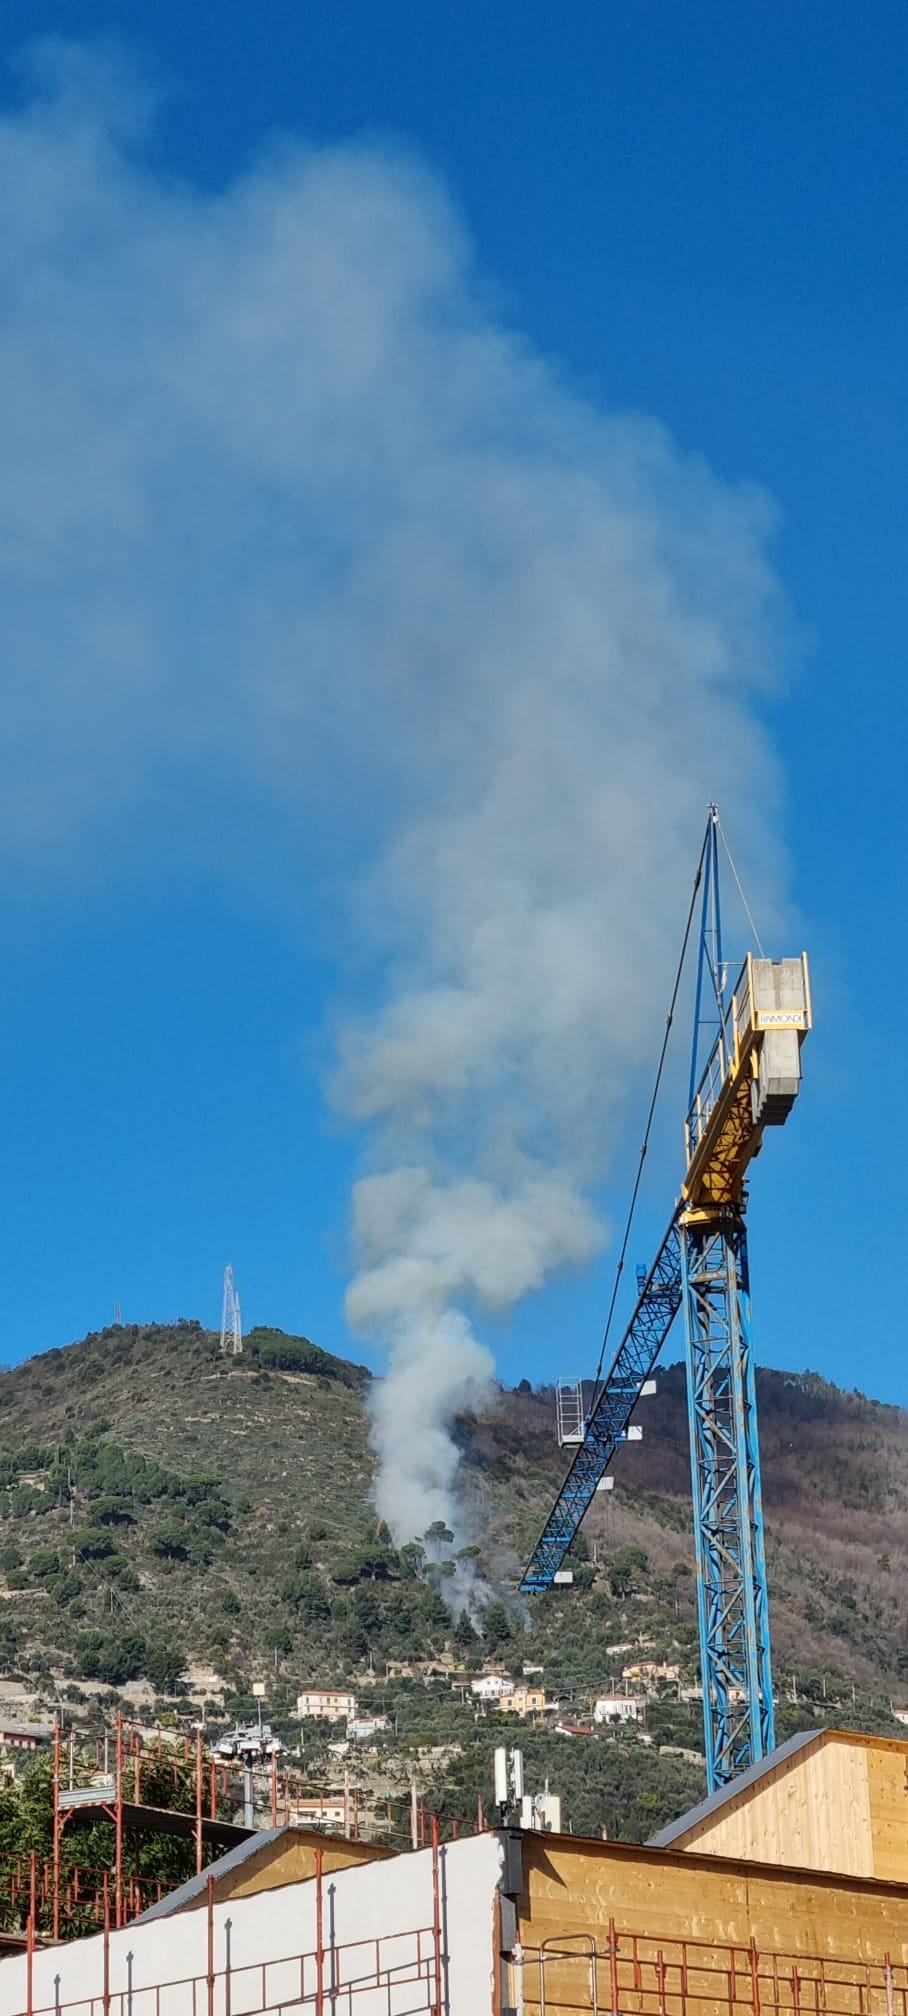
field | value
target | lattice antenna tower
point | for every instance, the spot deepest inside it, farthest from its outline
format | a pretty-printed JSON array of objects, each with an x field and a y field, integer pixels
[{"x": 231, "y": 1320}]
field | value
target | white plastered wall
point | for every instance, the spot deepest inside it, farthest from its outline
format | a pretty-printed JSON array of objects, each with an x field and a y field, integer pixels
[{"x": 389, "y": 1901}]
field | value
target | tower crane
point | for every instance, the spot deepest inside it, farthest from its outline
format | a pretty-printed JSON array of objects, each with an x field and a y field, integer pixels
[{"x": 749, "y": 1082}]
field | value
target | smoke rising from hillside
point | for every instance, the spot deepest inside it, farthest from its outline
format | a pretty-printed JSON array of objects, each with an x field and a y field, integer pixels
[
  {"x": 283, "y": 502},
  {"x": 424, "y": 1247}
]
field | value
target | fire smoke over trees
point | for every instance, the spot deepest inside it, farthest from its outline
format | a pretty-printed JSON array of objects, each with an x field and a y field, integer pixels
[{"x": 288, "y": 498}]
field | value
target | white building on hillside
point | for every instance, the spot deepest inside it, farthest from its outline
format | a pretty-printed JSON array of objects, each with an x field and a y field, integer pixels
[
  {"x": 619, "y": 1708},
  {"x": 491, "y": 1686},
  {"x": 329, "y": 1809},
  {"x": 331, "y": 1704},
  {"x": 367, "y": 1725}
]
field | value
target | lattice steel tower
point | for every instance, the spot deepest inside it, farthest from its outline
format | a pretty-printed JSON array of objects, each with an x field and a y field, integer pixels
[
  {"x": 231, "y": 1320},
  {"x": 750, "y": 1081}
]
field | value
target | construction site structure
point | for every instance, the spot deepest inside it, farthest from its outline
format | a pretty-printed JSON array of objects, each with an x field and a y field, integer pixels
[
  {"x": 749, "y": 1081},
  {"x": 143, "y": 1784},
  {"x": 784, "y": 1895}
]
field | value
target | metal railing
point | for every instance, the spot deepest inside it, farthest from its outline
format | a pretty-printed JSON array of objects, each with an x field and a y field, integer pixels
[
  {"x": 330, "y": 1979},
  {"x": 631, "y": 1974},
  {"x": 334, "y": 1981},
  {"x": 68, "y": 1899},
  {"x": 736, "y": 1023}
]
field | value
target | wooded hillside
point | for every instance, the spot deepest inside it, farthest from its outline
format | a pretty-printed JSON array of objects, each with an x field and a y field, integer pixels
[{"x": 167, "y": 1512}]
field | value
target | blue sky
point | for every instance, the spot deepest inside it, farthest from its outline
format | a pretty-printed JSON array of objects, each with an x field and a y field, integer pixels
[{"x": 690, "y": 215}]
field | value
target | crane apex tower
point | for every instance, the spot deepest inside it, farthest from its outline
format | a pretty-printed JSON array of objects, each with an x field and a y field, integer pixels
[{"x": 750, "y": 1081}]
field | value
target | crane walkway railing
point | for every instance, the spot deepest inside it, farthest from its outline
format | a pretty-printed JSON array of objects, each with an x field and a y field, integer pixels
[{"x": 722, "y": 1059}]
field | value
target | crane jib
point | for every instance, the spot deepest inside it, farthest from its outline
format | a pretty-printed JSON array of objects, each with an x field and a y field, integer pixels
[{"x": 657, "y": 1307}]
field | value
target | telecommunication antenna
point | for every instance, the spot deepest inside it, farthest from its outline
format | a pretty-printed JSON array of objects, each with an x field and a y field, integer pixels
[{"x": 231, "y": 1321}]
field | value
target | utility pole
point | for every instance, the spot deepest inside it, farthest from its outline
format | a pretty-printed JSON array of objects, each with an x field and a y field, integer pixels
[{"x": 231, "y": 1321}]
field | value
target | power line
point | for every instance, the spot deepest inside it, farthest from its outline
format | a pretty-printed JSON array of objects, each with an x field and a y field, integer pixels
[
  {"x": 739, "y": 889},
  {"x": 649, "y": 1118}
]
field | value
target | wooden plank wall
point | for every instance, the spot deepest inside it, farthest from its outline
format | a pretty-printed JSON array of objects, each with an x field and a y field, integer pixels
[
  {"x": 572, "y": 1884},
  {"x": 573, "y": 1889},
  {"x": 293, "y": 1861},
  {"x": 887, "y": 1772},
  {"x": 811, "y": 1812},
  {"x": 841, "y": 1803},
  {"x": 289, "y": 1859}
]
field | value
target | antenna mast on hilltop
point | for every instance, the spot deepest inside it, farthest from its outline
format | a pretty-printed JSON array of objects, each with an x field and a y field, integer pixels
[{"x": 231, "y": 1321}]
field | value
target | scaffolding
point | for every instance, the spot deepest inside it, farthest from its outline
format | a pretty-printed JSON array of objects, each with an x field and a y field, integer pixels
[
  {"x": 605, "y": 1971},
  {"x": 412, "y": 1961},
  {"x": 73, "y": 1903},
  {"x": 65, "y": 1899}
]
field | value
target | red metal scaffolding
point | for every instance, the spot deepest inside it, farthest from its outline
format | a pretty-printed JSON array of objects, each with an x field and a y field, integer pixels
[
  {"x": 62, "y": 1897},
  {"x": 317, "y": 1978}
]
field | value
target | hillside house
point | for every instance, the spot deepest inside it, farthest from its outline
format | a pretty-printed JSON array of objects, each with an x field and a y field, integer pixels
[
  {"x": 619, "y": 1708},
  {"x": 649, "y": 1671},
  {"x": 25, "y": 1735},
  {"x": 329, "y": 1809},
  {"x": 491, "y": 1686},
  {"x": 365, "y": 1726},
  {"x": 523, "y": 1701},
  {"x": 329, "y": 1704}
]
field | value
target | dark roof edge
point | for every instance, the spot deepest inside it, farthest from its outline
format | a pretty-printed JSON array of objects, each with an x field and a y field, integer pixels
[
  {"x": 196, "y": 1885},
  {"x": 688, "y": 1821}
]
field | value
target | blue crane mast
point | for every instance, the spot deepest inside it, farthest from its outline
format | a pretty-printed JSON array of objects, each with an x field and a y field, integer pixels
[{"x": 749, "y": 1082}]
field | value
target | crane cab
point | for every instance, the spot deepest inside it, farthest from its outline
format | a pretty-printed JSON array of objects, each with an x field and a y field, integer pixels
[{"x": 751, "y": 1078}]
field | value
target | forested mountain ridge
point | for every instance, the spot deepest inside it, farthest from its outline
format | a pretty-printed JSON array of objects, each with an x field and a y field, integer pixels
[{"x": 164, "y": 1507}]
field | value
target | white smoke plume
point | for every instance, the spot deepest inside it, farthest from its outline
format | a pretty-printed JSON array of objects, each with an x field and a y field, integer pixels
[
  {"x": 424, "y": 1247},
  {"x": 283, "y": 502}
]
